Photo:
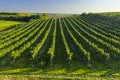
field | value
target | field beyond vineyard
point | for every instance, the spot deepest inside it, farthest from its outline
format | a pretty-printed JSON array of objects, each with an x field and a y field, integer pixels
[
  {"x": 86, "y": 45},
  {"x": 5, "y": 24}
]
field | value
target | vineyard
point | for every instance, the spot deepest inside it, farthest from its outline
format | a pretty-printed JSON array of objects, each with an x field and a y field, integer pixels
[{"x": 61, "y": 41}]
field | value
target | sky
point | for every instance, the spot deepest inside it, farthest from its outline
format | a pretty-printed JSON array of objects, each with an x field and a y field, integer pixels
[{"x": 59, "y": 6}]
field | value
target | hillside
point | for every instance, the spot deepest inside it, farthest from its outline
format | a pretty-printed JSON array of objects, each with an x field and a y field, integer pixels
[
  {"x": 111, "y": 14},
  {"x": 5, "y": 24},
  {"x": 87, "y": 45}
]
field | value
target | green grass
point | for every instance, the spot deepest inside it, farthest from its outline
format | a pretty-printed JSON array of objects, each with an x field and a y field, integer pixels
[
  {"x": 5, "y": 24},
  {"x": 53, "y": 77},
  {"x": 76, "y": 71}
]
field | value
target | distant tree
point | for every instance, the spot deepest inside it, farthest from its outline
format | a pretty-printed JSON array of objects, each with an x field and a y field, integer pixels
[
  {"x": 83, "y": 14},
  {"x": 21, "y": 14},
  {"x": 35, "y": 16},
  {"x": 44, "y": 16}
]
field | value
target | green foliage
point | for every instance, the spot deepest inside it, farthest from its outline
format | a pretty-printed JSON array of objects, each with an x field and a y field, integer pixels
[
  {"x": 19, "y": 16},
  {"x": 91, "y": 43}
]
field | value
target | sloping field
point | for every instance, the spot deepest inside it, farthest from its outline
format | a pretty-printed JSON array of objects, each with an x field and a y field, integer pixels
[
  {"x": 72, "y": 42},
  {"x": 4, "y": 24}
]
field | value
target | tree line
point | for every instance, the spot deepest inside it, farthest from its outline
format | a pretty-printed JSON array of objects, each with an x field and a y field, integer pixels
[{"x": 21, "y": 16}]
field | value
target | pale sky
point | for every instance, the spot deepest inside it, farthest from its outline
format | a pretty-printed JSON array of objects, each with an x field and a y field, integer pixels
[{"x": 59, "y": 6}]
